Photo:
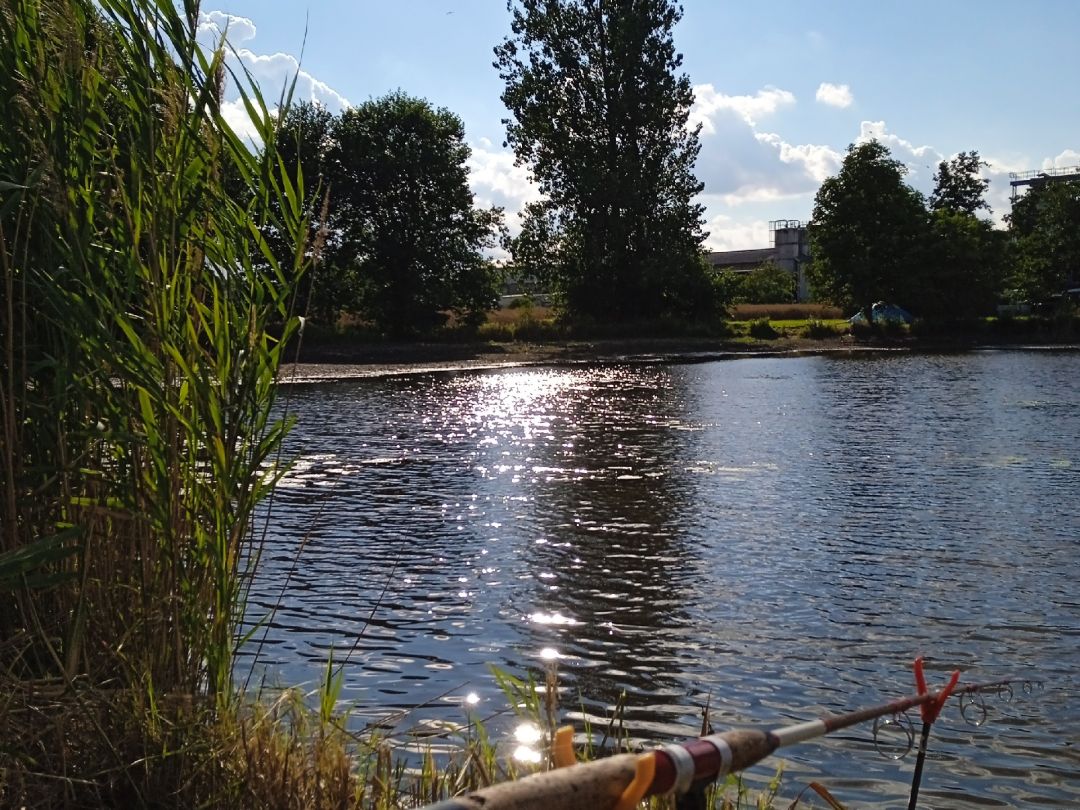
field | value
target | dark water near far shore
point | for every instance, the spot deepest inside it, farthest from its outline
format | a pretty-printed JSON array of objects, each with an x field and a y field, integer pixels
[{"x": 777, "y": 538}]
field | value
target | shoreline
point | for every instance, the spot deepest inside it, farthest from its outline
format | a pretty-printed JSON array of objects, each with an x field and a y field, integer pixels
[{"x": 323, "y": 363}]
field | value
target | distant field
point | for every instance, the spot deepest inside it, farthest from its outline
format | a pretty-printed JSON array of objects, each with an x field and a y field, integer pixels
[
  {"x": 740, "y": 312},
  {"x": 502, "y": 323},
  {"x": 508, "y": 315}
]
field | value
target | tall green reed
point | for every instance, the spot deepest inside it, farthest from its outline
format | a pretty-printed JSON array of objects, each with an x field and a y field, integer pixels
[{"x": 143, "y": 321}]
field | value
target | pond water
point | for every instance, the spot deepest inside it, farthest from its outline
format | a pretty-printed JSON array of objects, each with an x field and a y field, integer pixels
[{"x": 775, "y": 538}]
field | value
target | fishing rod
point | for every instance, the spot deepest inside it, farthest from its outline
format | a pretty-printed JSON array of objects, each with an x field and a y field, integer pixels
[
  {"x": 970, "y": 699},
  {"x": 620, "y": 782}
]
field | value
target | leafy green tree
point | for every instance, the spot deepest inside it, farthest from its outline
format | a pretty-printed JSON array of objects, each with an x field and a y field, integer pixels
[
  {"x": 403, "y": 243},
  {"x": 404, "y": 218},
  {"x": 730, "y": 285},
  {"x": 869, "y": 232},
  {"x": 1045, "y": 229},
  {"x": 965, "y": 259},
  {"x": 769, "y": 284},
  {"x": 958, "y": 186},
  {"x": 965, "y": 267},
  {"x": 538, "y": 247},
  {"x": 599, "y": 114}
]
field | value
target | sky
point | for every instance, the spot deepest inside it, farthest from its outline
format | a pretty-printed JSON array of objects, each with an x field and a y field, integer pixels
[{"x": 782, "y": 88}]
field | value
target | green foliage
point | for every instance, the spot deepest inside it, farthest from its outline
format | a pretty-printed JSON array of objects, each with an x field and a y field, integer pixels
[
  {"x": 540, "y": 249},
  {"x": 599, "y": 115},
  {"x": 524, "y": 302},
  {"x": 302, "y": 137},
  {"x": 730, "y": 286},
  {"x": 1044, "y": 227},
  {"x": 874, "y": 241},
  {"x": 958, "y": 187},
  {"x": 819, "y": 330},
  {"x": 528, "y": 327},
  {"x": 404, "y": 216},
  {"x": 965, "y": 264},
  {"x": 768, "y": 284},
  {"x": 136, "y": 355},
  {"x": 965, "y": 256},
  {"x": 406, "y": 244},
  {"x": 692, "y": 294},
  {"x": 869, "y": 232},
  {"x": 762, "y": 329}
]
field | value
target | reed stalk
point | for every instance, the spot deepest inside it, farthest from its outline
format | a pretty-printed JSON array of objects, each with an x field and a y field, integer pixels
[{"x": 143, "y": 321}]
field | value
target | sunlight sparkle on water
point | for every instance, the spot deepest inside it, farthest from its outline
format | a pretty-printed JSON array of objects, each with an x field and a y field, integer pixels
[
  {"x": 549, "y": 654},
  {"x": 551, "y": 619},
  {"x": 528, "y": 755},
  {"x": 506, "y": 396},
  {"x": 527, "y": 736}
]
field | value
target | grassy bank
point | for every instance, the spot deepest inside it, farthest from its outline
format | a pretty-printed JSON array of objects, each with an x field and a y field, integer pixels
[{"x": 535, "y": 334}]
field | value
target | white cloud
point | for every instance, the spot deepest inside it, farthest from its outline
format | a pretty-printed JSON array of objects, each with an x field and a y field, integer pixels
[
  {"x": 726, "y": 233},
  {"x": 834, "y": 95},
  {"x": 272, "y": 72},
  {"x": 1069, "y": 157},
  {"x": 214, "y": 25},
  {"x": 740, "y": 164},
  {"x": 1005, "y": 164},
  {"x": 763, "y": 191},
  {"x": 708, "y": 103},
  {"x": 876, "y": 130},
  {"x": 921, "y": 161},
  {"x": 236, "y": 116},
  {"x": 496, "y": 180},
  {"x": 818, "y": 160}
]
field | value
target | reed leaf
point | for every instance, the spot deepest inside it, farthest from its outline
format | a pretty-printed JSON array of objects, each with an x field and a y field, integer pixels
[{"x": 143, "y": 324}]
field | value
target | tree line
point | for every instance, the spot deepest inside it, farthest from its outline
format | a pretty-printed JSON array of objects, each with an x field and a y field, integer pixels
[
  {"x": 402, "y": 242},
  {"x": 598, "y": 113},
  {"x": 874, "y": 238}
]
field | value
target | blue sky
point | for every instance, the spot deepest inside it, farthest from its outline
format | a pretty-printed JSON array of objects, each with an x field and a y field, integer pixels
[{"x": 782, "y": 87}]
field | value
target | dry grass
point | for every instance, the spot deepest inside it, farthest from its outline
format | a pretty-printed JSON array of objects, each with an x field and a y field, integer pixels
[
  {"x": 785, "y": 312},
  {"x": 95, "y": 749},
  {"x": 511, "y": 316}
]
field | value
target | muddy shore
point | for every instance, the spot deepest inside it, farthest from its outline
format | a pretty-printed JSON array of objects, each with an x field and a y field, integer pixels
[
  {"x": 343, "y": 361},
  {"x": 322, "y": 363}
]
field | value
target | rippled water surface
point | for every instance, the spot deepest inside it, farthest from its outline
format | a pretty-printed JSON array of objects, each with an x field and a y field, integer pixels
[{"x": 774, "y": 537}]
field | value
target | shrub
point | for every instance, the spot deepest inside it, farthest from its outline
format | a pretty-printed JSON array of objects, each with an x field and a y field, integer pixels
[
  {"x": 819, "y": 330},
  {"x": 762, "y": 329}
]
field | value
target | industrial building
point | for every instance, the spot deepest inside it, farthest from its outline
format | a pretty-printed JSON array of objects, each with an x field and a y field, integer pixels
[
  {"x": 1039, "y": 177},
  {"x": 789, "y": 248}
]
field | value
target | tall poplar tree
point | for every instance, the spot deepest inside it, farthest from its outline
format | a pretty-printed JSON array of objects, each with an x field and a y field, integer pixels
[{"x": 599, "y": 114}]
